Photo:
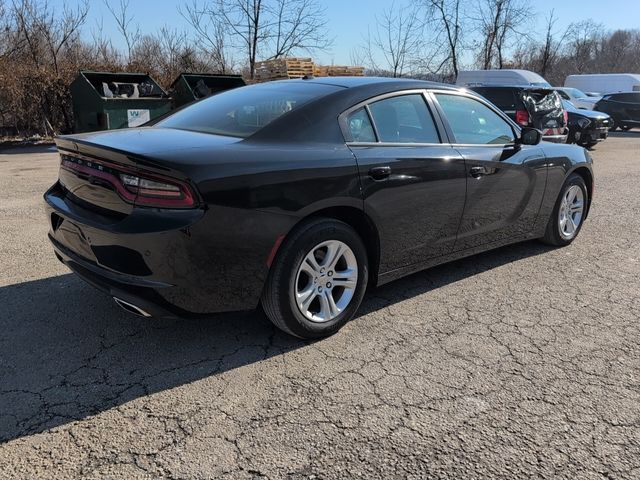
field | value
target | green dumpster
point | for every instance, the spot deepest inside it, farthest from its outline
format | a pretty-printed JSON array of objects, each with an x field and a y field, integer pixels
[
  {"x": 106, "y": 101},
  {"x": 194, "y": 86}
]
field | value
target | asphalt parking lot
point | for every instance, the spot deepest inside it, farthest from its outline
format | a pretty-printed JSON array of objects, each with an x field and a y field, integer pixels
[{"x": 519, "y": 363}]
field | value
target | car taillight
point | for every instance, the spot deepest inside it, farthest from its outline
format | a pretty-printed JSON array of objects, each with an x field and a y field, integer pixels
[
  {"x": 522, "y": 117},
  {"x": 134, "y": 186},
  {"x": 156, "y": 192}
]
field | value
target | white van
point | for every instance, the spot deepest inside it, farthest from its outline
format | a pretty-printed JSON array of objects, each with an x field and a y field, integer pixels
[
  {"x": 500, "y": 77},
  {"x": 605, "y": 82}
]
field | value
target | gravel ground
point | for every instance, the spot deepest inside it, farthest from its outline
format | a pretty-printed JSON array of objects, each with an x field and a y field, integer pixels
[{"x": 521, "y": 362}]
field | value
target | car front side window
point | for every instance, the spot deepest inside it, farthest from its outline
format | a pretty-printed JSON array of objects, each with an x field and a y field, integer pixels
[{"x": 472, "y": 122}]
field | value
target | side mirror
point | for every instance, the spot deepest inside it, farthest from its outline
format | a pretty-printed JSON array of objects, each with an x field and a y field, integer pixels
[{"x": 530, "y": 136}]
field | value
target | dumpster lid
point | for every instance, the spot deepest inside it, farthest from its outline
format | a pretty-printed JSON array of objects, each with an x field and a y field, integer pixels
[
  {"x": 204, "y": 84},
  {"x": 123, "y": 85}
]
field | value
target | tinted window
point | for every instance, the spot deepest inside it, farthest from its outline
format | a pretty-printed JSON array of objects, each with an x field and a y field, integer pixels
[
  {"x": 360, "y": 126},
  {"x": 243, "y": 111},
  {"x": 627, "y": 97},
  {"x": 503, "y": 98},
  {"x": 404, "y": 119},
  {"x": 474, "y": 123}
]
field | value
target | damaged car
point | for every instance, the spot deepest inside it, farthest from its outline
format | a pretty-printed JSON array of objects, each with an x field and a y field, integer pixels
[{"x": 537, "y": 107}]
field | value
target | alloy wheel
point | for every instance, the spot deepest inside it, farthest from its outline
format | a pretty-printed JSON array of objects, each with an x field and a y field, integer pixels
[
  {"x": 571, "y": 212},
  {"x": 326, "y": 281}
]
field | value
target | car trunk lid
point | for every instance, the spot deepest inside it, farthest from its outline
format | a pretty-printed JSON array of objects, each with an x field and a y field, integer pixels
[
  {"x": 545, "y": 110},
  {"x": 111, "y": 172}
]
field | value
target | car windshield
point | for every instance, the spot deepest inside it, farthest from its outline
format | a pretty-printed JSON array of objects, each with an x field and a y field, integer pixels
[
  {"x": 241, "y": 112},
  {"x": 575, "y": 93}
]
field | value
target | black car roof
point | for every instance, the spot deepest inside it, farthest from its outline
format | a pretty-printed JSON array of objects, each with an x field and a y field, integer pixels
[
  {"x": 354, "y": 82},
  {"x": 316, "y": 119}
]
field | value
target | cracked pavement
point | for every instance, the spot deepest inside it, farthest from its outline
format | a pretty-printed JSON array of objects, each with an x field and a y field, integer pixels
[{"x": 518, "y": 363}]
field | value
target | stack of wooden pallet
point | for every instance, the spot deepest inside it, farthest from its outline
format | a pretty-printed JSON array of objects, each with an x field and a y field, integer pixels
[
  {"x": 294, "y": 67},
  {"x": 337, "y": 71},
  {"x": 283, "y": 68}
]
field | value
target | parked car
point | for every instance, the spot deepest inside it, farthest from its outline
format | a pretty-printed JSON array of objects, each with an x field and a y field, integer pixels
[
  {"x": 538, "y": 107},
  {"x": 586, "y": 127},
  {"x": 623, "y": 108},
  {"x": 298, "y": 195},
  {"x": 605, "y": 82},
  {"x": 577, "y": 97},
  {"x": 468, "y": 78}
]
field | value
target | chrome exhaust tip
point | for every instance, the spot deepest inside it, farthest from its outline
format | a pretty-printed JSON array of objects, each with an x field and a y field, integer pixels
[{"x": 131, "y": 308}]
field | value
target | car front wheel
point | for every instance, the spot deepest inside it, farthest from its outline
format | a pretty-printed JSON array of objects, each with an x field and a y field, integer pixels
[
  {"x": 318, "y": 279},
  {"x": 568, "y": 213}
]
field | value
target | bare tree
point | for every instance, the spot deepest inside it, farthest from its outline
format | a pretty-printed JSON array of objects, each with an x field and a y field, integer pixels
[
  {"x": 48, "y": 35},
  {"x": 266, "y": 28},
  {"x": 212, "y": 34},
  {"x": 102, "y": 47},
  {"x": 295, "y": 25},
  {"x": 550, "y": 49},
  {"x": 583, "y": 43},
  {"x": 395, "y": 40},
  {"x": 59, "y": 31},
  {"x": 498, "y": 20},
  {"x": 124, "y": 22},
  {"x": 447, "y": 19}
]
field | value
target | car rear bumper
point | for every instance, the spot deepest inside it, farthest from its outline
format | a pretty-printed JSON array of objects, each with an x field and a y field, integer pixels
[
  {"x": 125, "y": 290},
  {"x": 169, "y": 264}
]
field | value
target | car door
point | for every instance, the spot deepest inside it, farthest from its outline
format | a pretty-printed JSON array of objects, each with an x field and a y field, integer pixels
[
  {"x": 413, "y": 185},
  {"x": 505, "y": 180}
]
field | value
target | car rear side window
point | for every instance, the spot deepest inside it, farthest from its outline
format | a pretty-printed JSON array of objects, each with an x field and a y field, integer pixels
[
  {"x": 473, "y": 122},
  {"x": 404, "y": 119},
  {"x": 241, "y": 112},
  {"x": 360, "y": 126}
]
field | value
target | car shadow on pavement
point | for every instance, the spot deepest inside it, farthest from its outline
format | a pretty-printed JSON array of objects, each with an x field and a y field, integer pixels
[
  {"x": 67, "y": 352},
  {"x": 628, "y": 134}
]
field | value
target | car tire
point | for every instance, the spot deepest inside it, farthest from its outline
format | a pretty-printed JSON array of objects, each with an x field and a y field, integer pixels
[
  {"x": 566, "y": 219},
  {"x": 293, "y": 280},
  {"x": 615, "y": 124}
]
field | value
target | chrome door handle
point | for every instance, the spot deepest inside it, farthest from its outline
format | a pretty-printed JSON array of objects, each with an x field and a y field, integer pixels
[
  {"x": 477, "y": 172},
  {"x": 380, "y": 173}
]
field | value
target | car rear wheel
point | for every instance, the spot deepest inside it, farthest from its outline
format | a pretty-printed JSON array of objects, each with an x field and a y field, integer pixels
[
  {"x": 318, "y": 279},
  {"x": 569, "y": 212}
]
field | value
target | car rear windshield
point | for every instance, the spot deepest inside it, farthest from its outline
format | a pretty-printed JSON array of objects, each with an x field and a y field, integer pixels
[
  {"x": 241, "y": 112},
  {"x": 503, "y": 98}
]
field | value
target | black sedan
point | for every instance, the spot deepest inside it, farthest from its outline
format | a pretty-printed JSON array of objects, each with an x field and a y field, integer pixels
[
  {"x": 298, "y": 195},
  {"x": 586, "y": 127}
]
